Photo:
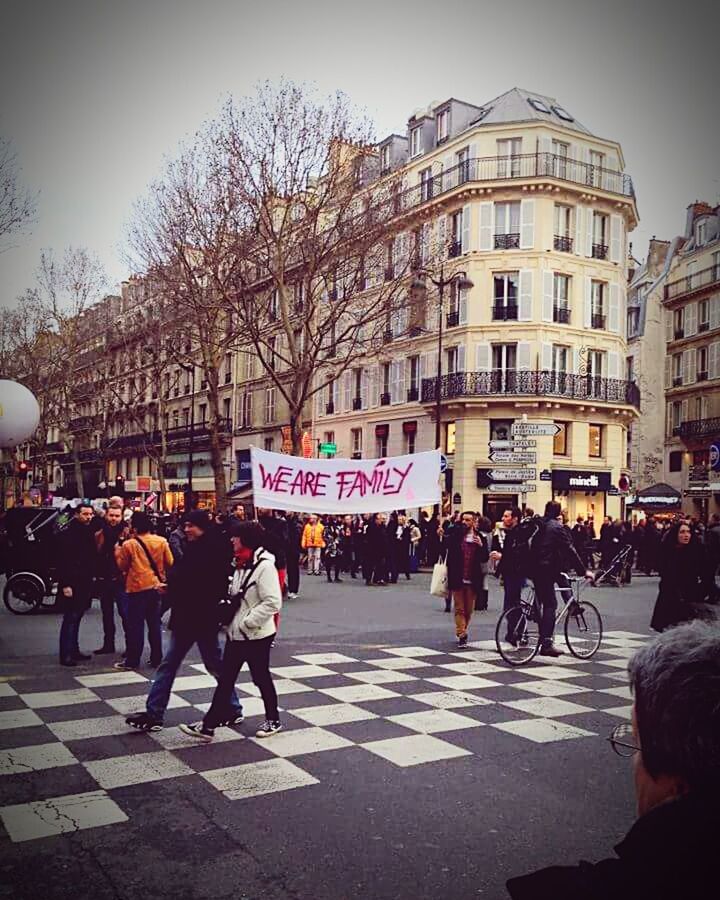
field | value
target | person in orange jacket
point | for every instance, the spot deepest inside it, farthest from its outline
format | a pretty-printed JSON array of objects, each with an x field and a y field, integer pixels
[{"x": 314, "y": 543}]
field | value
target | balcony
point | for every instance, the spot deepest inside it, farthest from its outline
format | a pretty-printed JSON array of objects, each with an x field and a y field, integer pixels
[
  {"x": 702, "y": 375},
  {"x": 177, "y": 435},
  {"x": 597, "y": 321},
  {"x": 81, "y": 423},
  {"x": 699, "y": 428},
  {"x": 502, "y": 312},
  {"x": 561, "y": 315},
  {"x": 507, "y": 241},
  {"x": 415, "y": 331},
  {"x": 389, "y": 273},
  {"x": 698, "y": 281},
  {"x": 388, "y": 336},
  {"x": 677, "y": 381},
  {"x": 599, "y": 251},
  {"x": 454, "y": 249},
  {"x": 703, "y": 326},
  {"x": 679, "y": 333},
  {"x": 563, "y": 243},
  {"x": 385, "y": 399},
  {"x": 357, "y": 403},
  {"x": 413, "y": 395},
  {"x": 453, "y": 319},
  {"x": 529, "y": 383},
  {"x": 329, "y": 409}
]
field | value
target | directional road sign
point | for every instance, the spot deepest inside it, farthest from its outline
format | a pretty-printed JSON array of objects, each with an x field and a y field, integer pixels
[
  {"x": 512, "y": 445},
  {"x": 328, "y": 448},
  {"x": 535, "y": 428},
  {"x": 512, "y": 474},
  {"x": 509, "y": 488},
  {"x": 443, "y": 463},
  {"x": 508, "y": 456}
]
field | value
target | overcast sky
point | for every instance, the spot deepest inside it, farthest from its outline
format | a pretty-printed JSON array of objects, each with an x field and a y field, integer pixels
[{"x": 95, "y": 92}]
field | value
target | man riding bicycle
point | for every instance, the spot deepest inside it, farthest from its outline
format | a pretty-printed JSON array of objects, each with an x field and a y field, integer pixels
[{"x": 552, "y": 554}]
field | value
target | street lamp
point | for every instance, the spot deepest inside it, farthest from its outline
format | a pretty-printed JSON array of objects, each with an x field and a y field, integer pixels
[
  {"x": 189, "y": 491},
  {"x": 462, "y": 283}
]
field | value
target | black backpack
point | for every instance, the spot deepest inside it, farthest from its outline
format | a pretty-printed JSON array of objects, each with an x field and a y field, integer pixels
[{"x": 528, "y": 534}]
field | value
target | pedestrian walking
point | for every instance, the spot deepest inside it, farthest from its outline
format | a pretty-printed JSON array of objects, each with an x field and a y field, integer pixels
[
  {"x": 313, "y": 543},
  {"x": 377, "y": 548},
  {"x": 466, "y": 550},
  {"x": 196, "y": 584},
  {"x": 110, "y": 580},
  {"x": 506, "y": 554},
  {"x": 144, "y": 559},
  {"x": 332, "y": 552},
  {"x": 292, "y": 554},
  {"x": 399, "y": 540},
  {"x": 77, "y": 555},
  {"x": 686, "y": 579},
  {"x": 255, "y": 591}
]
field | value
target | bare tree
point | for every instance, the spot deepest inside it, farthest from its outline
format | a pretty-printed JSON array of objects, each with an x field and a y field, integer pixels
[{"x": 17, "y": 205}]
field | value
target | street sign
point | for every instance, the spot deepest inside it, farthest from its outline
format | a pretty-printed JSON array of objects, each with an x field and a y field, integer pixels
[
  {"x": 150, "y": 499},
  {"x": 715, "y": 457},
  {"x": 519, "y": 444},
  {"x": 508, "y": 488},
  {"x": 549, "y": 429},
  {"x": 328, "y": 448},
  {"x": 512, "y": 474},
  {"x": 508, "y": 456},
  {"x": 443, "y": 463},
  {"x": 546, "y": 475}
]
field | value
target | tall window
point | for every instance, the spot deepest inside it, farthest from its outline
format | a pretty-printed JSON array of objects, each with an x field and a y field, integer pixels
[
  {"x": 356, "y": 442},
  {"x": 560, "y": 157},
  {"x": 269, "y": 444},
  {"x": 560, "y": 357},
  {"x": 414, "y": 371},
  {"x": 271, "y": 352},
  {"x": 426, "y": 184},
  {"x": 561, "y": 298},
  {"x": 677, "y": 378},
  {"x": 274, "y": 304},
  {"x": 595, "y": 448},
  {"x": 507, "y": 226},
  {"x": 462, "y": 158},
  {"x": 600, "y": 236},
  {"x": 226, "y": 411},
  {"x": 228, "y": 368},
  {"x": 386, "y": 372},
  {"x": 598, "y": 305},
  {"x": 246, "y": 410},
  {"x": 442, "y": 124},
  {"x": 269, "y": 405},
  {"x": 679, "y": 323},
  {"x": 450, "y": 438},
  {"x": 562, "y": 232},
  {"x": 702, "y": 363},
  {"x": 456, "y": 230},
  {"x": 597, "y": 163},
  {"x": 249, "y": 365},
  {"x": 676, "y": 415},
  {"x": 381, "y": 444},
  {"x": 451, "y": 360},
  {"x": 410, "y": 441},
  {"x": 508, "y": 152},
  {"x": 384, "y": 159},
  {"x": 415, "y": 141},
  {"x": 703, "y": 315}
]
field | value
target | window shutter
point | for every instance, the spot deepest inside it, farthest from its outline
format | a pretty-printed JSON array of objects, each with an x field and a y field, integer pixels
[
  {"x": 668, "y": 325},
  {"x": 373, "y": 382},
  {"x": 588, "y": 231},
  {"x": 394, "y": 385},
  {"x": 684, "y": 411},
  {"x": 614, "y": 309},
  {"x": 668, "y": 419},
  {"x": 616, "y": 239},
  {"x": 461, "y": 358},
  {"x": 364, "y": 388},
  {"x": 449, "y": 174},
  {"x": 613, "y": 370},
  {"x": 466, "y": 228},
  {"x": 691, "y": 319},
  {"x": 523, "y": 355},
  {"x": 690, "y": 367},
  {"x": 668, "y": 371},
  {"x": 525, "y": 311},
  {"x": 425, "y": 242},
  {"x": 587, "y": 309},
  {"x": 715, "y": 312},
  {"x": 422, "y": 367},
  {"x": 579, "y": 229},
  {"x": 347, "y": 391},
  {"x": 463, "y": 307},
  {"x": 472, "y": 165},
  {"x": 527, "y": 224},
  {"x": 714, "y": 360},
  {"x": 611, "y": 181},
  {"x": 487, "y": 224},
  {"x": 547, "y": 300},
  {"x": 442, "y": 237},
  {"x": 684, "y": 366},
  {"x": 546, "y": 357},
  {"x": 482, "y": 357}
]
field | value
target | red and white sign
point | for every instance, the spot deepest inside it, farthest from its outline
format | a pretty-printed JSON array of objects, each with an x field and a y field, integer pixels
[
  {"x": 143, "y": 484},
  {"x": 151, "y": 499}
]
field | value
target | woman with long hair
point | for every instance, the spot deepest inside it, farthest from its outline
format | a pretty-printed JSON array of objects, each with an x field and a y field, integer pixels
[{"x": 686, "y": 581}]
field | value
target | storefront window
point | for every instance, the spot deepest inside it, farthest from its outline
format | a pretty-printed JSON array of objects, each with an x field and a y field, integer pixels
[
  {"x": 560, "y": 441},
  {"x": 450, "y": 438},
  {"x": 595, "y": 448}
]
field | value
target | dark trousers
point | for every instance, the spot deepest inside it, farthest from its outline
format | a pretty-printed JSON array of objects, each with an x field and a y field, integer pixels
[
  {"x": 545, "y": 594},
  {"x": 399, "y": 563},
  {"x": 293, "y": 572},
  {"x": 257, "y": 655},
  {"x": 110, "y": 598},
  {"x": 377, "y": 570},
  {"x": 181, "y": 643},
  {"x": 70, "y": 628},
  {"x": 332, "y": 564},
  {"x": 513, "y": 584},
  {"x": 143, "y": 607}
]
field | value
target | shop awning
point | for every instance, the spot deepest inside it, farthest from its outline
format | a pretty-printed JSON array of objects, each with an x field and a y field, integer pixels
[{"x": 658, "y": 496}]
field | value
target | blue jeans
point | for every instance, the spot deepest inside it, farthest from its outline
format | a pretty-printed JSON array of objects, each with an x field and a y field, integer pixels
[
  {"x": 69, "y": 631},
  {"x": 180, "y": 645},
  {"x": 143, "y": 607}
]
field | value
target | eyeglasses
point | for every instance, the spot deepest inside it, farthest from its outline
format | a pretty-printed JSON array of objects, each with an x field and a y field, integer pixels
[{"x": 620, "y": 740}]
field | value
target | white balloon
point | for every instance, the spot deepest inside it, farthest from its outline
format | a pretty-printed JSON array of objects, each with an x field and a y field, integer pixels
[{"x": 19, "y": 413}]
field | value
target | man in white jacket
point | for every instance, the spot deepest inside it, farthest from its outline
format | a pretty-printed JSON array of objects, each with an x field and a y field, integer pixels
[{"x": 256, "y": 593}]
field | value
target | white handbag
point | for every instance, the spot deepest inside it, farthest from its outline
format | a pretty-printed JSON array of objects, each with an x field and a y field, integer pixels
[{"x": 439, "y": 581}]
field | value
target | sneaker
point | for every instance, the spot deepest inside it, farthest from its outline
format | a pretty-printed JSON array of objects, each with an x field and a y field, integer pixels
[
  {"x": 292, "y": 596},
  {"x": 122, "y": 666},
  {"x": 268, "y": 728},
  {"x": 235, "y": 719},
  {"x": 462, "y": 640},
  {"x": 550, "y": 650},
  {"x": 198, "y": 731},
  {"x": 144, "y": 722}
]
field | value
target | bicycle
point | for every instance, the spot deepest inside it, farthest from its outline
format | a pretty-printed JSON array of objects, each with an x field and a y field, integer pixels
[{"x": 582, "y": 625}]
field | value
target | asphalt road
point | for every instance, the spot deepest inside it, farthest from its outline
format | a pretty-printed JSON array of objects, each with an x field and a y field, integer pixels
[{"x": 517, "y": 773}]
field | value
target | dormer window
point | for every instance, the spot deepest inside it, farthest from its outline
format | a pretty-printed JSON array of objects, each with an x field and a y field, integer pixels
[
  {"x": 538, "y": 105},
  {"x": 701, "y": 231},
  {"x": 562, "y": 114},
  {"x": 416, "y": 141},
  {"x": 442, "y": 122},
  {"x": 385, "y": 159}
]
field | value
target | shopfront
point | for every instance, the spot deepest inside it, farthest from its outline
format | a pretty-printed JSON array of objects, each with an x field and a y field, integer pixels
[
  {"x": 582, "y": 492},
  {"x": 662, "y": 501}
]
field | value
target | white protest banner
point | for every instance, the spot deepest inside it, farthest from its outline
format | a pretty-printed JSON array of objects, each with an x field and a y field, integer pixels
[{"x": 344, "y": 485}]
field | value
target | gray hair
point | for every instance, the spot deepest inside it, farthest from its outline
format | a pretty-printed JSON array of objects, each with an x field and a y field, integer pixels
[{"x": 676, "y": 683}]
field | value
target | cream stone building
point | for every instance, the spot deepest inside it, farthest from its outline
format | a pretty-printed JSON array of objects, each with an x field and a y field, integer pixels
[
  {"x": 692, "y": 363},
  {"x": 535, "y": 210}
]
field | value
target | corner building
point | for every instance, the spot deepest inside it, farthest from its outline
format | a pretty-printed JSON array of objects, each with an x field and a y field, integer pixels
[{"x": 535, "y": 209}]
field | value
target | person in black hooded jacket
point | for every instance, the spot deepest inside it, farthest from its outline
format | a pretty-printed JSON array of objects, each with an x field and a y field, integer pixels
[
  {"x": 195, "y": 585},
  {"x": 686, "y": 578}
]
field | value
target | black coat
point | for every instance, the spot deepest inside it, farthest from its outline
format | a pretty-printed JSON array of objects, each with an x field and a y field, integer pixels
[
  {"x": 553, "y": 550},
  {"x": 454, "y": 538},
  {"x": 376, "y": 542},
  {"x": 669, "y": 853},
  {"x": 198, "y": 581},
  {"x": 509, "y": 563},
  {"x": 77, "y": 562},
  {"x": 685, "y": 583}
]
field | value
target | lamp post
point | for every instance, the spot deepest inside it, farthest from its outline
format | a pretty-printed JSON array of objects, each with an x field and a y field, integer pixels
[{"x": 462, "y": 282}]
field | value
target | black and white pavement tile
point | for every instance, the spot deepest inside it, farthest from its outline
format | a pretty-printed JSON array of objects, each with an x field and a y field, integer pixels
[{"x": 396, "y": 706}]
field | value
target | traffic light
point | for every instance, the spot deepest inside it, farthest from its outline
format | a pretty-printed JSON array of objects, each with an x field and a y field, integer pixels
[{"x": 23, "y": 468}]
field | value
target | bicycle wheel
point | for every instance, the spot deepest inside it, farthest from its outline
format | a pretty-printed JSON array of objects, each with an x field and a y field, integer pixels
[
  {"x": 583, "y": 629},
  {"x": 23, "y": 593},
  {"x": 519, "y": 626}
]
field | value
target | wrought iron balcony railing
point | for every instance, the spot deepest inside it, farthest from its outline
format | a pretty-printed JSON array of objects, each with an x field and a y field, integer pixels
[
  {"x": 454, "y": 249},
  {"x": 329, "y": 409},
  {"x": 597, "y": 320},
  {"x": 453, "y": 319},
  {"x": 561, "y": 314},
  {"x": 357, "y": 403},
  {"x": 385, "y": 399},
  {"x": 600, "y": 251},
  {"x": 563, "y": 242},
  {"x": 413, "y": 394},
  {"x": 531, "y": 383},
  {"x": 175, "y": 435},
  {"x": 507, "y": 241},
  {"x": 705, "y": 278},
  {"x": 699, "y": 428},
  {"x": 502, "y": 312}
]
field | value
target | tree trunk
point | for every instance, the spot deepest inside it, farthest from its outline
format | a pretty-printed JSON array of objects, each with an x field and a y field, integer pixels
[
  {"x": 160, "y": 466},
  {"x": 216, "y": 454},
  {"x": 296, "y": 433},
  {"x": 77, "y": 467}
]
